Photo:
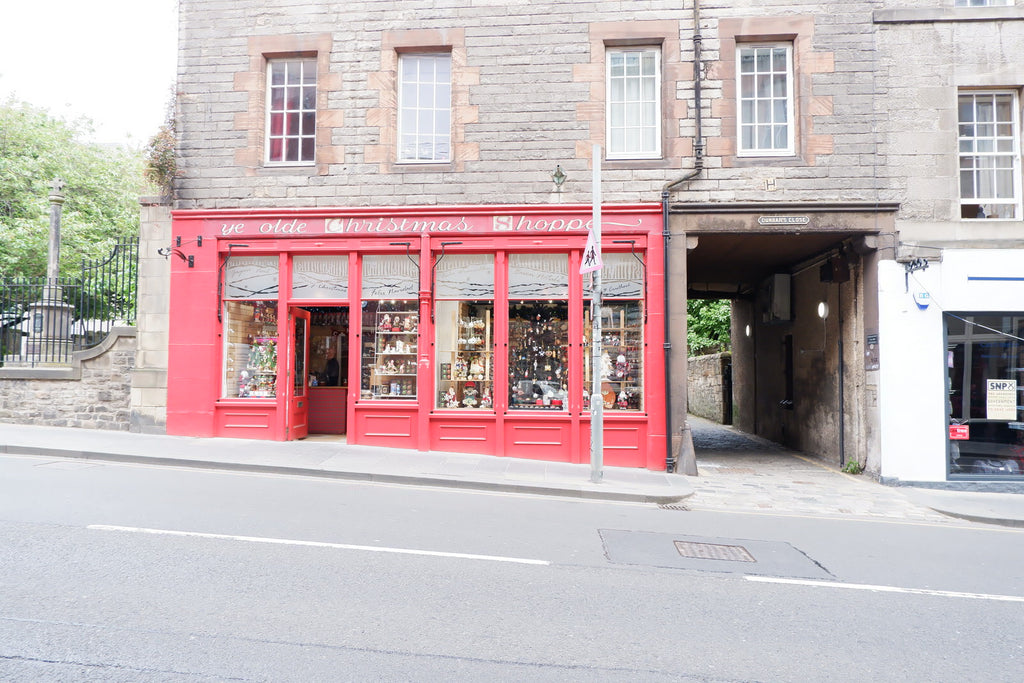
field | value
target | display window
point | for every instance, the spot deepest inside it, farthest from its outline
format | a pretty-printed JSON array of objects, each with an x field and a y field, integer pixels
[
  {"x": 320, "y": 277},
  {"x": 250, "y": 332},
  {"x": 985, "y": 380},
  {"x": 390, "y": 327},
  {"x": 538, "y": 332},
  {"x": 622, "y": 333},
  {"x": 464, "y": 331}
]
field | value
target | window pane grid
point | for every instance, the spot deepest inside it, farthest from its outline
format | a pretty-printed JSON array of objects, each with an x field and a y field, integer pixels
[
  {"x": 989, "y": 158},
  {"x": 634, "y": 129},
  {"x": 765, "y": 100},
  {"x": 424, "y": 118},
  {"x": 291, "y": 111}
]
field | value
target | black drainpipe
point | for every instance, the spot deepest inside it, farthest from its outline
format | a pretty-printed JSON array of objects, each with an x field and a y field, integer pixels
[{"x": 698, "y": 166}]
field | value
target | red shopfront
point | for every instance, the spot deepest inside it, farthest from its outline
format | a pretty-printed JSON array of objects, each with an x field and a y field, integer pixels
[{"x": 462, "y": 329}]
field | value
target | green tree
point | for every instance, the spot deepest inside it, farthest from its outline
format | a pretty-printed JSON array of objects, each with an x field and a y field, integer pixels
[
  {"x": 707, "y": 326},
  {"x": 102, "y": 189}
]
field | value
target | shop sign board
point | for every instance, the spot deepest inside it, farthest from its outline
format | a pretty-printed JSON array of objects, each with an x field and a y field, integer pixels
[
  {"x": 1001, "y": 399},
  {"x": 431, "y": 225},
  {"x": 959, "y": 432}
]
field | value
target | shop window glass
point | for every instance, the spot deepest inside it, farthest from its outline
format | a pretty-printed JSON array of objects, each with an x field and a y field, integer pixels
[
  {"x": 464, "y": 328},
  {"x": 250, "y": 349},
  {"x": 390, "y": 327},
  {"x": 390, "y": 277},
  {"x": 464, "y": 276},
  {"x": 622, "y": 325},
  {"x": 985, "y": 381},
  {"x": 542, "y": 276},
  {"x": 538, "y": 332},
  {"x": 251, "y": 277},
  {"x": 320, "y": 277}
]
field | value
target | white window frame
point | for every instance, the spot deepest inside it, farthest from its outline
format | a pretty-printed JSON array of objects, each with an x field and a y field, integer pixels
[
  {"x": 982, "y": 3},
  {"x": 428, "y": 124},
  {"x": 1013, "y": 156},
  {"x": 292, "y": 111},
  {"x": 751, "y": 118},
  {"x": 633, "y": 107}
]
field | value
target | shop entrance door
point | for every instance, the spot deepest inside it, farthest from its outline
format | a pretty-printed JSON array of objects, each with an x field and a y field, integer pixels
[{"x": 298, "y": 374}]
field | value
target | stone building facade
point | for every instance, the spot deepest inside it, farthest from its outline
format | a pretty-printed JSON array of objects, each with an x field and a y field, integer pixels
[
  {"x": 801, "y": 152},
  {"x": 530, "y": 91}
]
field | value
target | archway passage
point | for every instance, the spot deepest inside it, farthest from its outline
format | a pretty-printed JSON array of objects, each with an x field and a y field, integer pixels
[{"x": 803, "y": 293}]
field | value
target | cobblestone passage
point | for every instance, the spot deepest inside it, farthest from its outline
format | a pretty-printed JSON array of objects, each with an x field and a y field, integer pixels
[{"x": 744, "y": 473}]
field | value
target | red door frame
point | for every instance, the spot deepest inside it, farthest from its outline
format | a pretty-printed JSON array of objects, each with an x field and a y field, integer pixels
[{"x": 296, "y": 380}]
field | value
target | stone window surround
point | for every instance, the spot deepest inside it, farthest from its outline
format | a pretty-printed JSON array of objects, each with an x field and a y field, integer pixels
[
  {"x": 253, "y": 121},
  {"x": 385, "y": 116},
  {"x": 799, "y": 30},
  {"x": 650, "y": 33}
]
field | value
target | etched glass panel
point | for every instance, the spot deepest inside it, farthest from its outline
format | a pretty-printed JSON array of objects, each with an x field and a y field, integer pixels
[
  {"x": 390, "y": 276},
  {"x": 320, "y": 277},
  {"x": 464, "y": 276},
  {"x": 251, "y": 277},
  {"x": 621, "y": 277},
  {"x": 538, "y": 276}
]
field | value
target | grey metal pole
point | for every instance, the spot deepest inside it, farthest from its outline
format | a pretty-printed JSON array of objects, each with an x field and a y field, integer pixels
[{"x": 596, "y": 400}]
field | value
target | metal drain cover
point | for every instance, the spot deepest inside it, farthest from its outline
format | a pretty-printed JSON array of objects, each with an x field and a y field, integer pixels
[
  {"x": 714, "y": 551},
  {"x": 709, "y": 554}
]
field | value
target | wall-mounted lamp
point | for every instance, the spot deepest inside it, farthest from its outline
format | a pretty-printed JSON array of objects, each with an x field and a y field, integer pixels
[
  {"x": 559, "y": 178},
  {"x": 746, "y": 330},
  {"x": 822, "y": 310}
]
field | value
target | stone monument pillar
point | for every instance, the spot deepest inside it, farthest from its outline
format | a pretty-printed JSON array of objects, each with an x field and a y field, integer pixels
[{"x": 49, "y": 338}]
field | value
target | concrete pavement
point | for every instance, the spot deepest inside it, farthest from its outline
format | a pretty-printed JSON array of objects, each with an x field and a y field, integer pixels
[
  {"x": 330, "y": 457},
  {"x": 743, "y": 473},
  {"x": 737, "y": 472}
]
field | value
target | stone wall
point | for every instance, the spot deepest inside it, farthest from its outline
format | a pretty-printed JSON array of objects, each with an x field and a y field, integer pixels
[
  {"x": 149, "y": 381},
  {"x": 528, "y": 93},
  {"x": 707, "y": 390},
  {"x": 93, "y": 393}
]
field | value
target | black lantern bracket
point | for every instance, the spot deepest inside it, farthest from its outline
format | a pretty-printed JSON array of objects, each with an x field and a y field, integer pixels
[{"x": 176, "y": 250}]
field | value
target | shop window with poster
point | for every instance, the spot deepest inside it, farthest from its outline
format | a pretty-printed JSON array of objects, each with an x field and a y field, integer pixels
[
  {"x": 250, "y": 332},
  {"x": 390, "y": 327},
  {"x": 538, "y": 331},
  {"x": 464, "y": 328},
  {"x": 985, "y": 382},
  {"x": 622, "y": 333}
]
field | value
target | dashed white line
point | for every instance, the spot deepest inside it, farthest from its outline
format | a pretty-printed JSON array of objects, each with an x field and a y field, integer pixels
[
  {"x": 319, "y": 544},
  {"x": 885, "y": 589}
]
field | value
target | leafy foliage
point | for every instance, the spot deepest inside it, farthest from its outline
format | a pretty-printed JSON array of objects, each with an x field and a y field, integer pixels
[
  {"x": 102, "y": 188},
  {"x": 161, "y": 157},
  {"x": 707, "y": 326}
]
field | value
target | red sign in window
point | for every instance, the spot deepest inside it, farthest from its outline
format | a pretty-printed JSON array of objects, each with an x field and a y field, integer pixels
[{"x": 959, "y": 432}]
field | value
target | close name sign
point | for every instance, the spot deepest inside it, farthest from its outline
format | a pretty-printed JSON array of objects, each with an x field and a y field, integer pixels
[{"x": 783, "y": 220}]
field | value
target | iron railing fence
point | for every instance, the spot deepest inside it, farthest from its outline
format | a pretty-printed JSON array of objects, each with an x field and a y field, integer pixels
[{"x": 43, "y": 321}]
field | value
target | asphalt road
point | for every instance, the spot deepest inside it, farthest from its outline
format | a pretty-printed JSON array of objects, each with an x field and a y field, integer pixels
[{"x": 137, "y": 573}]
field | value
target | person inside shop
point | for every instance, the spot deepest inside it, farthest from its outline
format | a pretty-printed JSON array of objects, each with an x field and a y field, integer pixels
[{"x": 331, "y": 369}]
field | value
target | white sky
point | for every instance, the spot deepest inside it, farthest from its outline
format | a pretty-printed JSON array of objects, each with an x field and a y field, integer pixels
[{"x": 112, "y": 61}]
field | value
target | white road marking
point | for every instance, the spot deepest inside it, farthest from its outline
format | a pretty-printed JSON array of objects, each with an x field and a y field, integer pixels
[
  {"x": 318, "y": 544},
  {"x": 886, "y": 589}
]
